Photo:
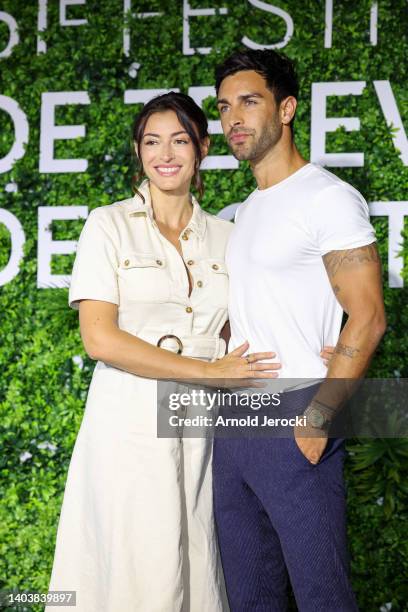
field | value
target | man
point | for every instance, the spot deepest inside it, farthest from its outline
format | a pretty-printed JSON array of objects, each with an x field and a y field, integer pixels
[{"x": 302, "y": 251}]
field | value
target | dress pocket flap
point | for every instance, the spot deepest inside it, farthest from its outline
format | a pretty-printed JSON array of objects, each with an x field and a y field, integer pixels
[{"x": 142, "y": 260}]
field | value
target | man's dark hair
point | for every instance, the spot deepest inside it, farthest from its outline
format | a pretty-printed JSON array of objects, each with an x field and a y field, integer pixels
[{"x": 277, "y": 70}]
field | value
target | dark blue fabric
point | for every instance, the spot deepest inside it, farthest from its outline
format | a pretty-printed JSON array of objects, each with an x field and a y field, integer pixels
[{"x": 278, "y": 514}]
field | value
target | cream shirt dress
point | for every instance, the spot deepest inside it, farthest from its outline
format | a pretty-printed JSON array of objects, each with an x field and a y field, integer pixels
[{"x": 136, "y": 530}]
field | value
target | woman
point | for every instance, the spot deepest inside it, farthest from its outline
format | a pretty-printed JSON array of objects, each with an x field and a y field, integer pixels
[{"x": 136, "y": 529}]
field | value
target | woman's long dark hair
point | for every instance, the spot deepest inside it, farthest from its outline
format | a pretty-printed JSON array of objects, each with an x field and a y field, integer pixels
[{"x": 191, "y": 117}]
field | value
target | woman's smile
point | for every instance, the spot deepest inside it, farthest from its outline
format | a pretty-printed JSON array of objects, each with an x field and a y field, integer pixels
[{"x": 166, "y": 170}]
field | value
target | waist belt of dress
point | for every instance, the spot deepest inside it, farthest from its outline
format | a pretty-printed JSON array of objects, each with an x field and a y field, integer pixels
[{"x": 199, "y": 347}]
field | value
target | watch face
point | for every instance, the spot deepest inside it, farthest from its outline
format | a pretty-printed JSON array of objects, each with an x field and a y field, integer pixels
[{"x": 316, "y": 418}]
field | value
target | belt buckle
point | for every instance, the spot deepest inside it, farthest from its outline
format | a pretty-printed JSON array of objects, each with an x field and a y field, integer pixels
[{"x": 166, "y": 337}]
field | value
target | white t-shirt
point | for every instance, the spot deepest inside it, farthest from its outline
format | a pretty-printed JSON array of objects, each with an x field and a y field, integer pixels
[{"x": 280, "y": 297}]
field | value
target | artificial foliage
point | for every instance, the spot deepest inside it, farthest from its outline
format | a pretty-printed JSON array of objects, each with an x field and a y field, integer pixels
[{"x": 44, "y": 370}]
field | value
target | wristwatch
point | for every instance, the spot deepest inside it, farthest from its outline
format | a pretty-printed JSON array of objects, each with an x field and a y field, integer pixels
[{"x": 316, "y": 418}]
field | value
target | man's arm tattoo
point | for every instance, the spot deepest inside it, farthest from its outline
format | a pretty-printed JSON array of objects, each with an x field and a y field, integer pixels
[
  {"x": 347, "y": 351},
  {"x": 335, "y": 259}
]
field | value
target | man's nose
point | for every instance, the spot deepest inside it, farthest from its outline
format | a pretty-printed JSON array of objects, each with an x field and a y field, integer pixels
[{"x": 235, "y": 119}]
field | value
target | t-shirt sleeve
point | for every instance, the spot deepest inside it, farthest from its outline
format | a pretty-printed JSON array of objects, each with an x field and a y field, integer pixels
[
  {"x": 94, "y": 275},
  {"x": 341, "y": 220}
]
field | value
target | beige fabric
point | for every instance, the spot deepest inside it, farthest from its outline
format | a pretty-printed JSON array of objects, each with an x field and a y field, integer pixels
[{"x": 132, "y": 499}]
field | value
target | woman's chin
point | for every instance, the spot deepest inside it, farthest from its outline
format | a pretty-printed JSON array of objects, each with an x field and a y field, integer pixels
[{"x": 173, "y": 184}]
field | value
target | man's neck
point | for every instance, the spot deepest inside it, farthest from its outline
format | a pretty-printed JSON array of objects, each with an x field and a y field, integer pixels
[{"x": 277, "y": 164}]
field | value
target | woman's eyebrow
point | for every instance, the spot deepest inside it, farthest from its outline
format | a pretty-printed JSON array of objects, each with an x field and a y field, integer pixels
[{"x": 158, "y": 135}]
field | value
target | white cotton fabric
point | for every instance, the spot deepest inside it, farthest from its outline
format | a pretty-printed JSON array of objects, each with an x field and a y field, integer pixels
[
  {"x": 280, "y": 297},
  {"x": 136, "y": 531}
]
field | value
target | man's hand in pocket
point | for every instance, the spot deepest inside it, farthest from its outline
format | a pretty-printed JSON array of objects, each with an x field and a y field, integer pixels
[{"x": 311, "y": 442}]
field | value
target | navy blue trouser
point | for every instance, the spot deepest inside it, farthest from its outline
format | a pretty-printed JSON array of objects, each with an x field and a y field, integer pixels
[{"x": 278, "y": 514}]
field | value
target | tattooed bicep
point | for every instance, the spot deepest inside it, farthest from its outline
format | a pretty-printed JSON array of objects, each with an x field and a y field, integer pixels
[{"x": 350, "y": 258}]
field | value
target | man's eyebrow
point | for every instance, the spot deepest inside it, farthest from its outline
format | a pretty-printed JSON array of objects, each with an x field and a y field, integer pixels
[
  {"x": 242, "y": 97},
  {"x": 158, "y": 135}
]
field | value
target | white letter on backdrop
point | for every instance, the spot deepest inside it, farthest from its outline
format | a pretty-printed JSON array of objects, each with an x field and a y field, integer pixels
[
  {"x": 269, "y": 8},
  {"x": 51, "y": 132},
  {"x": 47, "y": 247},
  {"x": 228, "y": 212},
  {"x": 41, "y": 26},
  {"x": 17, "y": 243},
  {"x": 189, "y": 12},
  {"x": 21, "y": 130},
  {"x": 390, "y": 110},
  {"x": 328, "y": 21},
  {"x": 13, "y": 39},
  {"x": 63, "y": 13},
  {"x": 395, "y": 211},
  {"x": 373, "y": 23},
  {"x": 321, "y": 124},
  {"x": 127, "y": 7},
  {"x": 328, "y": 30},
  {"x": 212, "y": 162},
  {"x": 141, "y": 96}
]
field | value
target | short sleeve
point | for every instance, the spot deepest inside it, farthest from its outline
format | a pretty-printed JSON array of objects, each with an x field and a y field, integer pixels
[
  {"x": 94, "y": 275},
  {"x": 340, "y": 219}
]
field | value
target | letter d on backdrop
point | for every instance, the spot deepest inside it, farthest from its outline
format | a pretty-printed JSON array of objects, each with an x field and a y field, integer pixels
[{"x": 21, "y": 130}]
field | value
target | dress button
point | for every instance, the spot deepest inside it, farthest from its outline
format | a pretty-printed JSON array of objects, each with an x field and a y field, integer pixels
[
  {"x": 190, "y": 262},
  {"x": 185, "y": 236},
  {"x": 189, "y": 309},
  {"x": 215, "y": 267},
  {"x": 126, "y": 262},
  {"x": 159, "y": 263},
  {"x": 199, "y": 283}
]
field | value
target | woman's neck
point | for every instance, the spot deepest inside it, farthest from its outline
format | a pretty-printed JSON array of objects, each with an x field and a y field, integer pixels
[{"x": 170, "y": 208}]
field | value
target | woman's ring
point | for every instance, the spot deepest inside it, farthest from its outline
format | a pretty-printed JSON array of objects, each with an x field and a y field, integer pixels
[{"x": 248, "y": 359}]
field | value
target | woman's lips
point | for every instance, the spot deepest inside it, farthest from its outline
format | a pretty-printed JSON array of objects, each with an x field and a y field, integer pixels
[{"x": 167, "y": 170}]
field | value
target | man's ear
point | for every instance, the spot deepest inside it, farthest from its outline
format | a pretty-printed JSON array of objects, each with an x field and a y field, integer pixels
[
  {"x": 288, "y": 109},
  {"x": 205, "y": 145}
]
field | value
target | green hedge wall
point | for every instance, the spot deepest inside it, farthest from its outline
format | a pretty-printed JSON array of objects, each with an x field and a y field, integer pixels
[{"x": 44, "y": 371}]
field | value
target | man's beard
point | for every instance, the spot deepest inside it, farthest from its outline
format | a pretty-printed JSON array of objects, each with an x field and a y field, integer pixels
[{"x": 257, "y": 148}]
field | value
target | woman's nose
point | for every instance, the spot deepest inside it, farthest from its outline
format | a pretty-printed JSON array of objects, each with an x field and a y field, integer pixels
[{"x": 167, "y": 152}]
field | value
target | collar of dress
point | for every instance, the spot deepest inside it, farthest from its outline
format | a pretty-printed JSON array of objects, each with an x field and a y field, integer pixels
[{"x": 138, "y": 208}]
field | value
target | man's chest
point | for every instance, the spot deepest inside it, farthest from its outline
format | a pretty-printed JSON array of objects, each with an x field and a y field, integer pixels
[{"x": 273, "y": 239}]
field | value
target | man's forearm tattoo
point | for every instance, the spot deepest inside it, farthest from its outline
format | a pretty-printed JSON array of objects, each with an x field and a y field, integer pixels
[
  {"x": 347, "y": 351},
  {"x": 335, "y": 259}
]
